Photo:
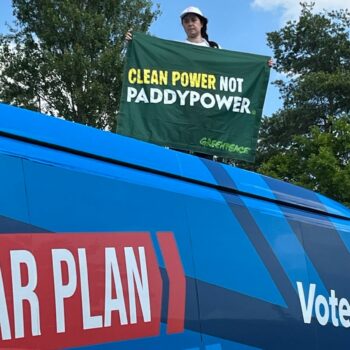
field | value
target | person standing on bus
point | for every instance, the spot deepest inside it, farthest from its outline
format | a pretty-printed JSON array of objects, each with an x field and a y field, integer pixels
[{"x": 195, "y": 26}]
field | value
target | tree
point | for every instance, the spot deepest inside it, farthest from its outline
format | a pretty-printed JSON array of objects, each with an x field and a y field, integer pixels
[
  {"x": 66, "y": 57},
  {"x": 319, "y": 161},
  {"x": 300, "y": 142},
  {"x": 314, "y": 54}
]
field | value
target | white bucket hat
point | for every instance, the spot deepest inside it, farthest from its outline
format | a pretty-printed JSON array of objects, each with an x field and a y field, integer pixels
[{"x": 194, "y": 10}]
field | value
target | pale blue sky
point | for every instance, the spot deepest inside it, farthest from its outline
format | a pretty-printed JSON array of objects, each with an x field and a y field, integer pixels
[{"x": 238, "y": 25}]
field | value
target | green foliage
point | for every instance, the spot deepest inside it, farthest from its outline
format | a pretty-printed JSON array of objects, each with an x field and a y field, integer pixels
[
  {"x": 316, "y": 42},
  {"x": 319, "y": 161},
  {"x": 308, "y": 141},
  {"x": 66, "y": 57},
  {"x": 314, "y": 53}
]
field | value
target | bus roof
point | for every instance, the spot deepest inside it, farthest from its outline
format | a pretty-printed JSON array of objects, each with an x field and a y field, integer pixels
[{"x": 56, "y": 133}]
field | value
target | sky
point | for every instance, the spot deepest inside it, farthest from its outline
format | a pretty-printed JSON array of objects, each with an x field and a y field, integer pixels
[{"x": 237, "y": 25}]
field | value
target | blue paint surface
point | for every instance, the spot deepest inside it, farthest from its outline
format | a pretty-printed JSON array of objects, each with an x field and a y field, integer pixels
[{"x": 244, "y": 239}]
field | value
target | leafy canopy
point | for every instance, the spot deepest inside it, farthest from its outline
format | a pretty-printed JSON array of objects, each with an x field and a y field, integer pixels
[
  {"x": 66, "y": 57},
  {"x": 307, "y": 142}
]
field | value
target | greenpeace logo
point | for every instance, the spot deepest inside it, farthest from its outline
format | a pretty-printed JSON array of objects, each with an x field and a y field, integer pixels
[{"x": 326, "y": 309}]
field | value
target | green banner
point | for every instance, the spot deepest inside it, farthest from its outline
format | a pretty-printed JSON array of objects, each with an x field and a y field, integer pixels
[{"x": 193, "y": 98}]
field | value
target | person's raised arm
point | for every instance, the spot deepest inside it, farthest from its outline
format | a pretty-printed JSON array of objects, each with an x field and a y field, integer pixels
[{"x": 128, "y": 35}]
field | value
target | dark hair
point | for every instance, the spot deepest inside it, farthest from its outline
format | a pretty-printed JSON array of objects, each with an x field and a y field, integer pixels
[{"x": 205, "y": 34}]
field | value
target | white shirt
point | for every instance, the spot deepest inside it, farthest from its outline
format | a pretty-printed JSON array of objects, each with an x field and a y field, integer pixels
[{"x": 203, "y": 43}]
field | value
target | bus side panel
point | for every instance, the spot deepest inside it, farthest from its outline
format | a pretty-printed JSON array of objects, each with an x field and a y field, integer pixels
[
  {"x": 226, "y": 271},
  {"x": 325, "y": 241},
  {"x": 305, "y": 257},
  {"x": 55, "y": 193}
]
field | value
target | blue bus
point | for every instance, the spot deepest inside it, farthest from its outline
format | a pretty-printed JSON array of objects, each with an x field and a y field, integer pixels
[{"x": 112, "y": 243}]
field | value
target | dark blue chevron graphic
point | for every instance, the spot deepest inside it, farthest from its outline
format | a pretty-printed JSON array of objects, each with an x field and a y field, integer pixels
[
  {"x": 8, "y": 225},
  {"x": 256, "y": 237},
  {"x": 239, "y": 318},
  {"x": 280, "y": 328},
  {"x": 236, "y": 317},
  {"x": 321, "y": 242},
  {"x": 325, "y": 249}
]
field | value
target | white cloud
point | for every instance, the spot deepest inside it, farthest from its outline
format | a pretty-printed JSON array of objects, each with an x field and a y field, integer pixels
[{"x": 291, "y": 8}]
